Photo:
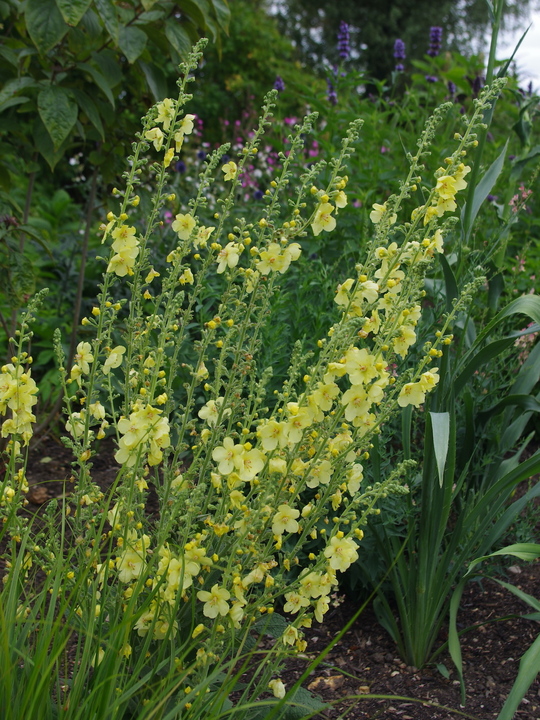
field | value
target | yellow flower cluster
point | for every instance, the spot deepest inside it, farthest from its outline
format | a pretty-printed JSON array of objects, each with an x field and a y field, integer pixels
[
  {"x": 126, "y": 247},
  {"x": 143, "y": 432},
  {"x": 18, "y": 394}
]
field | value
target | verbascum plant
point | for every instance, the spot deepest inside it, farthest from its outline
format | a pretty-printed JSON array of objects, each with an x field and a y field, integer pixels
[{"x": 244, "y": 485}]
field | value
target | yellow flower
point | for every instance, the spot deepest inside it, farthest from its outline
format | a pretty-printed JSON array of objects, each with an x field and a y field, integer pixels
[
  {"x": 278, "y": 688},
  {"x": 341, "y": 552},
  {"x": 378, "y": 213},
  {"x": 230, "y": 169},
  {"x": 323, "y": 219},
  {"x": 84, "y": 356},
  {"x": 215, "y": 601},
  {"x": 155, "y": 136},
  {"x": 167, "y": 159},
  {"x": 114, "y": 359},
  {"x": 183, "y": 225},
  {"x": 165, "y": 112},
  {"x": 411, "y": 394},
  {"x": 228, "y": 257},
  {"x": 285, "y": 520},
  {"x": 186, "y": 128}
]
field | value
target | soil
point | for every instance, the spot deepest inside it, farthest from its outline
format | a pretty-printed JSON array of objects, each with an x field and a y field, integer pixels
[{"x": 365, "y": 661}]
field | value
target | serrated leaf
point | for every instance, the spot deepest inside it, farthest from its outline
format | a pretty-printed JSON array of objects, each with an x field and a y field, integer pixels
[
  {"x": 273, "y": 625},
  {"x": 107, "y": 13},
  {"x": 21, "y": 276},
  {"x": 99, "y": 80},
  {"x": 131, "y": 41},
  {"x": 58, "y": 112},
  {"x": 44, "y": 23},
  {"x": 178, "y": 37},
  {"x": 89, "y": 108},
  {"x": 73, "y": 10}
]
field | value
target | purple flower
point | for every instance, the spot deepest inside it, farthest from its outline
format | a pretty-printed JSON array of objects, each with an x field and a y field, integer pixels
[
  {"x": 399, "y": 54},
  {"x": 257, "y": 194},
  {"x": 343, "y": 37},
  {"x": 477, "y": 84},
  {"x": 331, "y": 95},
  {"x": 279, "y": 85},
  {"x": 452, "y": 89},
  {"x": 180, "y": 166},
  {"x": 435, "y": 40},
  {"x": 431, "y": 78}
]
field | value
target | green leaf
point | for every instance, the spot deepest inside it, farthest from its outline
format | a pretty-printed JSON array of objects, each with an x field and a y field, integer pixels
[
  {"x": 89, "y": 108},
  {"x": 156, "y": 80},
  {"x": 21, "y": 276},
  {"x": 273, "y": 625},
  {"x": 44, "y": 23},
  {"x": 44, "y": 144},
  {"x": 148, "y": 4},
  {"x": 301, "y": 704},
  {"x": 178, "y": 37},
  {"x": 12, "y": 87},
  {"x": 481, "y": 192},
  {"x": 223, "y": 14},
  {"x": 132, "y": 41},
  {"x": 524, "y": 402},
  {"x": 529, "y": 667},
  {"x": 449, "y": 281},
  {"x": 107, "y": 13},
  {"x": 441, "y": 433},
  {"x": 73, "y": 10},
  {"x": 99, "y": 80},
  {"x": 58, "y": 112},
  {"x": 523, "y": 551}
]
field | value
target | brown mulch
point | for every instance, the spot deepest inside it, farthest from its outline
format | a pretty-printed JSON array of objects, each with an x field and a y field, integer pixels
[{"x": 365, "y": 660}]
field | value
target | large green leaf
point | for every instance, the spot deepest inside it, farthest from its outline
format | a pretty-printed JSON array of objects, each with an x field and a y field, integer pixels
[
  {"x": 58, "y": 111},
  {"x": 73, "y": 10},
  {"x": 107, "y": 13},
  {"x": 157, "y": 82},
  {"x": 89, "y": 108},
  {"x": 99, "y": 80},
  {"x": 132, "y": 41},
  {"x": 11, "y": 87},
  {"x": 178, "y": 37},
  {"x": 223, "y": 14},
  {"x": 44, "y": 144},
  {"x": 44, "y": 23}
]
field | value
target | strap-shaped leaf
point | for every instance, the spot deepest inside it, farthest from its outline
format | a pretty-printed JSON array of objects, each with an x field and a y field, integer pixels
[
  {"x": 440, "y": 422},
  {"x": 44, "y": 23},
  {"x": 73, "y": 10},
  {"x": 481, "y": 192},
  {"x": 132, "y": 41},
  {"x": 58, "y": 112}
]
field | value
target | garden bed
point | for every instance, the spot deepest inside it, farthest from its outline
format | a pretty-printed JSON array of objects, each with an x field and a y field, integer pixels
[{"x": 365, "y": 661}]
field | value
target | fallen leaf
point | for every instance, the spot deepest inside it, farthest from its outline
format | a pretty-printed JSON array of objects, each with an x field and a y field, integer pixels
[
  {"x": 37, "y": 495},
  {"x": 327, "y": 683}
]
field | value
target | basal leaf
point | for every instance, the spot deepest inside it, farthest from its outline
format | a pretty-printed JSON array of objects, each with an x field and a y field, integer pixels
[
  {"x": 132, "y": 41},
  {"x": 45, "y": 23},
  {"x": 73, "y": 10},
  {"x": 178, "y": 37},
  {"x": 529, "y": 667},
  {"x": 481, "y": 192},
  {"x": 58, "y": 112},
  {"x": 440, "y": 422}
]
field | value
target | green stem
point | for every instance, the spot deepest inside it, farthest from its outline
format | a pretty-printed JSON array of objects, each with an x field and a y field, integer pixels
[{"x": 482, "y": 134}]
